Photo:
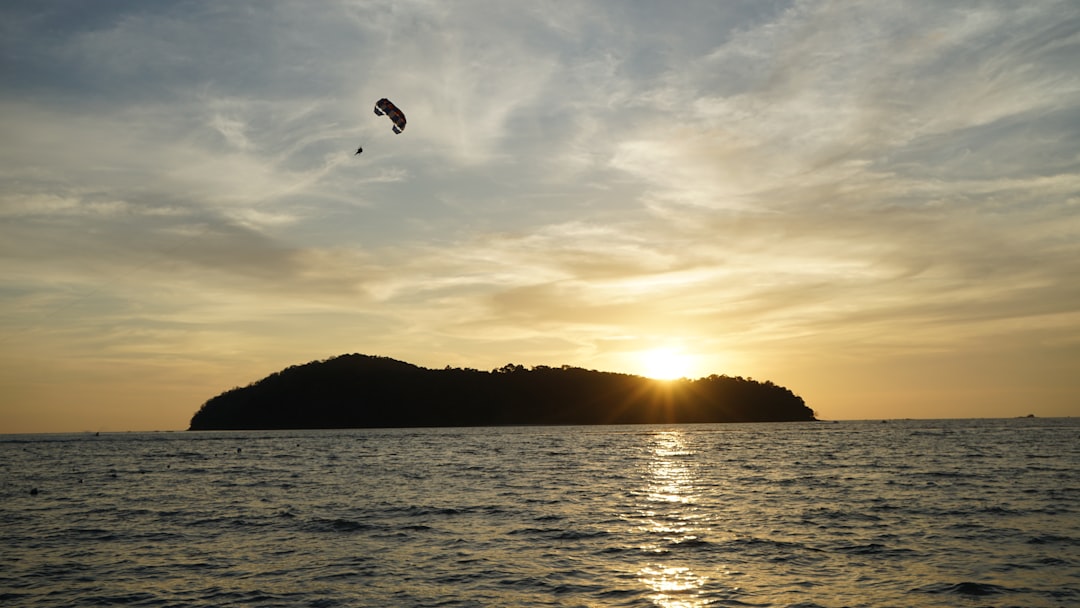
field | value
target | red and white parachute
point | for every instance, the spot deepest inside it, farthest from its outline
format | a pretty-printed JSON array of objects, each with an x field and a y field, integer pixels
[{"x": 385, "y": 106}]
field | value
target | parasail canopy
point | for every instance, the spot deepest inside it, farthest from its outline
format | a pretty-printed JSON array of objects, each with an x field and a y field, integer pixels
[{"x": 385, "y": 106}]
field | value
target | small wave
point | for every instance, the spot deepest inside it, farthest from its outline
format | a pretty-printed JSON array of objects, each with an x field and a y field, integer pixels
[
  {"x": 338, "y": 525},
  {"x": 619, "y": 550},
  {"x": 1052, "y": 561},
  {"x": 576, "y": 589},
  {"x": 964, "y": 588},
  {"x": 431, "y": 511},
  {"x": 691, "y": 542},
  {"x": 871, "y": 549},
  {"x": 1050, "y": 539},
  {"x": 347, "y": 575},
  {"x": 93, "y": 534},
  {"x": 138, "y": 598},
  {"x": 751, "y": 542},
  {"x": 244, "y": 598},
  {"x": 559, "y": 534},
  {"x": 834, "y": 515},
  {"x": 416, "y": 527}
]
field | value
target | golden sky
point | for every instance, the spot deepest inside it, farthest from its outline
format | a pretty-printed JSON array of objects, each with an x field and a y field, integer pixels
[{"x": 876, "y": 204}]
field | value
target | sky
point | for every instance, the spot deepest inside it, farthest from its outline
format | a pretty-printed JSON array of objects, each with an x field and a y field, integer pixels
[{"x": 874, "y": 204}]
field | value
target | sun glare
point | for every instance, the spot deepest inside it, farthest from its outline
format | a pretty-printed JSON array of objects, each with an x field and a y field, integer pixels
[{"x": 666, "y": 364}]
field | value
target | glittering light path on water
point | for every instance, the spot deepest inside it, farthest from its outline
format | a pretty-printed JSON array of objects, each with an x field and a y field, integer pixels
[{"x": 669, "y": 506}]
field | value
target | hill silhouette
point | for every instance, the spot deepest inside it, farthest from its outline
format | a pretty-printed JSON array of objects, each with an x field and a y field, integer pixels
[{"x": 361, "y": 391}]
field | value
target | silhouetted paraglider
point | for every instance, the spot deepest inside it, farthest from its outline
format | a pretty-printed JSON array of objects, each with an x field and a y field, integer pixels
[{"x": 386, "y": 107}]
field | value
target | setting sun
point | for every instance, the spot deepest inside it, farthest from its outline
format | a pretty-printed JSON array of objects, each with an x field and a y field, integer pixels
[{"x": 666, "y": 364}]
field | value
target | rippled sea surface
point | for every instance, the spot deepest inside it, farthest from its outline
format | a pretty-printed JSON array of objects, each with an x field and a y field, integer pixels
[{"x": 903, "y": 513}]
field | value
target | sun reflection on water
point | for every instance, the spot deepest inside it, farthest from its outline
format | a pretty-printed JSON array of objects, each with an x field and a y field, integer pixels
[
  {"x": 670, "y": 509},
  {"x": 675, "y": 586}
]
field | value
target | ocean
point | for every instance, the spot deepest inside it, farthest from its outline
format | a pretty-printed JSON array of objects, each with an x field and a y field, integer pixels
[{"x": 898, "y": 513}]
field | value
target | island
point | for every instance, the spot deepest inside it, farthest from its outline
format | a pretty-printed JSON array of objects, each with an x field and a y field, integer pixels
[{"x": 363, "y": 391}]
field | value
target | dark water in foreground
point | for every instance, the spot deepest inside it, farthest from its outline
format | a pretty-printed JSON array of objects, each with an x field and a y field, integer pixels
[{"x": 912, "y": 513}]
